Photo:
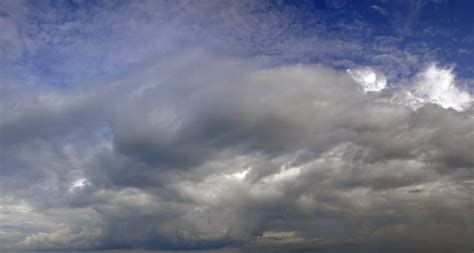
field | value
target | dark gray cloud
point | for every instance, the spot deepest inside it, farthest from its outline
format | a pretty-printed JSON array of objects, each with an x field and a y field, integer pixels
[{"x": 233, "y": 156}]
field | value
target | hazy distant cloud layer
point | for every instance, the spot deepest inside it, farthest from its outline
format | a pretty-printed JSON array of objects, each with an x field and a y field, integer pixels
[{"x": 185, "y": 145}]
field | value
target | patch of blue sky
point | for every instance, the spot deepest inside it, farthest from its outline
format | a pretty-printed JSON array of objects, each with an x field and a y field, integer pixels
[{"x": 68, "y": 42}]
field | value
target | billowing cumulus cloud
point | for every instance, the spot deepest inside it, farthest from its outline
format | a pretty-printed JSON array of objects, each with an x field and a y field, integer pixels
[
  {"x": 436, "y": 85},
  {"x": 232, "y": 159},
  {"x": 196, "y": 149}
]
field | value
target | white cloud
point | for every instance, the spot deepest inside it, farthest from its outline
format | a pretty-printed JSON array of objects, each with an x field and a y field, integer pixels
[
  {"x": 79, "y": 183},
  {"x": 284, "y": 174},
  {"x": 239, "y": 175},
  {"x": 369, "y": 79},
  {"x": 437, "y": 85},
  {"x": 63, "y": 238}
]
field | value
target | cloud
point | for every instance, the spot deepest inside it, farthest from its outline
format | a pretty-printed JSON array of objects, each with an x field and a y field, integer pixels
[
  {"x": 223, "y": 157},
  {"x": 61, "y": 239},
  {"x": 437, "y": 85},
  {"x": 12, "y": 45},
  {"x": 198, "y": 149},
  {"x": 380, "y": 10},
  {"x": 369, "y": 80},
  {"x": 433, "y": 85}
]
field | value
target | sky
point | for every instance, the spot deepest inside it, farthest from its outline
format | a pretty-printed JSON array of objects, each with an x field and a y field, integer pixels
[{"x": 328, "y": 126}]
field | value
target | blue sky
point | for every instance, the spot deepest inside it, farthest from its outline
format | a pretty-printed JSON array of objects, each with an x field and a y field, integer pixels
[
  {"x": 66, "y": 42},
  {"x": 236, "y": 126}
]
